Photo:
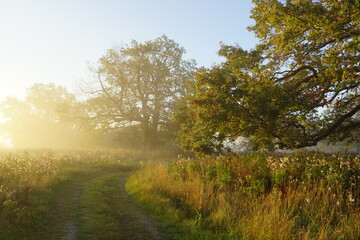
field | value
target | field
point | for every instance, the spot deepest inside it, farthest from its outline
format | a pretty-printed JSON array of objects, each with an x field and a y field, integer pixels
[
  {"x": 254, "y": 196},
  {"x": 81, "y": 195},
  {"x": 65, "y": 194}
]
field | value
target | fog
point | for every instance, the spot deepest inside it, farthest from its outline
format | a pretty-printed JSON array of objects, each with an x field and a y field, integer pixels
[{"x": 49, "y": 117}]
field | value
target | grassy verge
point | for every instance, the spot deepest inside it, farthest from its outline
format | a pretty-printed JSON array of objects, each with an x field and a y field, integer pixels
[
  {"x": 298, "y": 196},
  {"x": 178, "y": 221}
]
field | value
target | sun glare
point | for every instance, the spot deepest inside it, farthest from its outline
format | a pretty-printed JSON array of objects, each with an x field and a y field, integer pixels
[{"x": 5, "y": 142}]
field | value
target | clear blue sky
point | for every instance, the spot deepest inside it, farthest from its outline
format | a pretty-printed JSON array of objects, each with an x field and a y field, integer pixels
[{"x": 52, "y": 40}]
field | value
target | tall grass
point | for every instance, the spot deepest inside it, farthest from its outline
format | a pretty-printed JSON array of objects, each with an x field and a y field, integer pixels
[
  {"x": 254, "y": 196},
  {"x": 29, "y": 181}
]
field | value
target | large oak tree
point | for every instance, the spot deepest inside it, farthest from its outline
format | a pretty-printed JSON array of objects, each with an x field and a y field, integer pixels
[
  {"x": 138, "y": 84},
  {"x": 300, "y": 85}
]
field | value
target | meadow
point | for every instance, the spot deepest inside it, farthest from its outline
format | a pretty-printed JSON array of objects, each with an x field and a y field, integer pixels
[
  {"x": 31, "y": 182},
  {"x": 303, "y": 195},
  {"x": 254, "y": 196}
]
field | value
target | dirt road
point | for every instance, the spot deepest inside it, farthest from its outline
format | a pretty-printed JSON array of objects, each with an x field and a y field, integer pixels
[{"x": 73, "y": 216}]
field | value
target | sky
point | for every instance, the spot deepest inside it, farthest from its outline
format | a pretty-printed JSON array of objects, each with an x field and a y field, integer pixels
[{"x": 56, "y": 40}]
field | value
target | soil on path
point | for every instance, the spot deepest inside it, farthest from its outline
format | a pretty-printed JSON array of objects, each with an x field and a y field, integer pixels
[
  {"x": 136, "y": 224},
  {"x": 65, "y": 216}
]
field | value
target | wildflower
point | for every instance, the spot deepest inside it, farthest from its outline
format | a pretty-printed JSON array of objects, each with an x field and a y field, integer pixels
[{"x": 351, "y": 198}]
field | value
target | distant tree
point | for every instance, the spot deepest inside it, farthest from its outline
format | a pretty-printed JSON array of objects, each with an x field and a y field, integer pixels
[
  {"x": 44, "y": 119},
  {"x": 139, "y": 85},
  {"x": 300, "y": 85}
]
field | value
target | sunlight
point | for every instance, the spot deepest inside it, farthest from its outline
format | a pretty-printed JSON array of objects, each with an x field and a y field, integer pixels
[
  {"x": 203, "y": 120},
  {"x": 5, "y": 142}
]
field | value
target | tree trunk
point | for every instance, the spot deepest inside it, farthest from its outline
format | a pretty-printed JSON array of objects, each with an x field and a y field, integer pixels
[
  {"x": 149, "y": 133},
  {"x": 153, "y": 139},
  {"x": 145, "y": 137}
]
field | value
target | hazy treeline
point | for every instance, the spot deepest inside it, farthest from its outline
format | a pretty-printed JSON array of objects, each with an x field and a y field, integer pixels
[{"x": 49, "y": 116}]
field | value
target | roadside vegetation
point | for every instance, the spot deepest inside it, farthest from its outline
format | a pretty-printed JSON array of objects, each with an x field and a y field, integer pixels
[{"x": 254, "y": 196}]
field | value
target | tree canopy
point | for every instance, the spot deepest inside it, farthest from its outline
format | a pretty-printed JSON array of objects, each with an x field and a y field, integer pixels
[
  {"x": 300, "y": 85},
  {"x": 138, "y": 84}
]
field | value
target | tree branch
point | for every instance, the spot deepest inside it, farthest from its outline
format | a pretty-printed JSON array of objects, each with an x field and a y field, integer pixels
[
  {"x": 338, "y": 123},
  {"x": 295, "y": 72}
]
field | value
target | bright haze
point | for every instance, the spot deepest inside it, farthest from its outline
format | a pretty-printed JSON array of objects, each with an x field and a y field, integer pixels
[{"x": 53, "y": 41}]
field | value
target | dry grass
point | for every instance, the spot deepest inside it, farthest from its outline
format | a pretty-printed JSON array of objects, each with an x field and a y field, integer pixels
[{"x": 300, "y": 196}]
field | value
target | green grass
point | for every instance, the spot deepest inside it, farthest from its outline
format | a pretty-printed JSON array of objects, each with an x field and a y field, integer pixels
[
  {"x": 106, "y": 212},
  {"x": 99, "y": 218}
]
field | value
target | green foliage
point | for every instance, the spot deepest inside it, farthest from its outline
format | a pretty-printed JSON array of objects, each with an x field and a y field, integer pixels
[{"x": 297, "y": 87}]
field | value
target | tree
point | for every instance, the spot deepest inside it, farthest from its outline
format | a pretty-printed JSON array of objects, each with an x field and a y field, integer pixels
[
  {"x": 139, "y": 84},
  {"x": 43, "y": 119},
  {"x": 300, "y": 85}
]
